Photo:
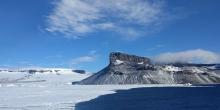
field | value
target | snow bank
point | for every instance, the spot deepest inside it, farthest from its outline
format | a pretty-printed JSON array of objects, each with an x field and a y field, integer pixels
[
  {"x": 118, "y": 62},
  {"x": 51, "y": 91},
  {"x": 172, "y": 68}
]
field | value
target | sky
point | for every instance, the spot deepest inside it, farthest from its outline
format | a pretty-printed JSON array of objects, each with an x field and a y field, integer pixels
[{"x": 80, "y": 34}]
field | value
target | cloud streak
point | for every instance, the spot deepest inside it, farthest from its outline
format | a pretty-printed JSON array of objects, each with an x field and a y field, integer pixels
[
  {"x": 83, "y": 59},
  {"x": 130, "y": 18},
  {"x": 189, "y": 56},
  {"x": 91, "y": 57}
]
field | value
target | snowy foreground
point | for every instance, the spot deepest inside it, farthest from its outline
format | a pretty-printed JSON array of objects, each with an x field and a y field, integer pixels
[{"x": 50, "y": 91}]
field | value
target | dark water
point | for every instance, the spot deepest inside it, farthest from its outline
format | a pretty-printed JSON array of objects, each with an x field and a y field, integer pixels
[{"x": 157, "y": 98}]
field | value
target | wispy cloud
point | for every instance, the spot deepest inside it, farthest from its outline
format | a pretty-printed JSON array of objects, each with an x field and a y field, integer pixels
[
  {"x": 83, "y": 59},
  {"x": 156, "y": 47},
  {"x": 129, "y": 18},
  {"x": 91, "y": 57},
  {"x": 189, "y": 56}
]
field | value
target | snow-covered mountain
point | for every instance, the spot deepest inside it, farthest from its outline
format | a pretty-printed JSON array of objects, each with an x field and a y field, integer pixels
[
  {"x": 53, "y": 75},
  {"x": 131, "y": 69}
]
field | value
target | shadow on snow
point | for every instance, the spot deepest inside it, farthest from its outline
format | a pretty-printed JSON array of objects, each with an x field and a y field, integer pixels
[{"x": 157, "y": 98}]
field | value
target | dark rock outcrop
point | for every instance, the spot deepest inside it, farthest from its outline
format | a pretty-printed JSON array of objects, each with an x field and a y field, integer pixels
[
  {"x": 80, "y": 71},
  {"x": 117, "y": 56},
  {"x": 131, "y": 69}
]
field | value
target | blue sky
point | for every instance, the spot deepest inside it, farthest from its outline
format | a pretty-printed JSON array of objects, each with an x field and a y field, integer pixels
[{"x": 82, "y": 33}]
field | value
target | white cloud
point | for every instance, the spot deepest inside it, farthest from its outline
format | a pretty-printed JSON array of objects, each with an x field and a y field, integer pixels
[
  {"x": 92, "y": 52},
  {"x": 83, "y": 59},
  {"x": 77, "y": 18},
  {"x": 190, "y": 56},
  {"x": 91, "y": 57}
]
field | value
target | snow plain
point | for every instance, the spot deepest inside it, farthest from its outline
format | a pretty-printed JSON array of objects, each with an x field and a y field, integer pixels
[{"x": 51, "y": 91}]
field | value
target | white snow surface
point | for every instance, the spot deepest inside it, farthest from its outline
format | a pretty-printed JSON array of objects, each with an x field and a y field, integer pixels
[
  {"x": 118, "y": 62},
  {"x": 50, "y": 91},
  {"x": 172, "y": 68},
  {"x": 197, "y": 70},
  {"x": 140, "y": 63}
]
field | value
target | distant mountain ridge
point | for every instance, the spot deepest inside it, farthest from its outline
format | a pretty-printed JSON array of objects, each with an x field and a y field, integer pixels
[
  {"x": 43, "y": 70},
  {"x": 21, "y": 75},
  {"x": 131, "y": 69}
]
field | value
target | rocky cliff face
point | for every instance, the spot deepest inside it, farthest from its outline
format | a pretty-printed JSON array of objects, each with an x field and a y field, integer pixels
[
  {"x": 131, "y": 69},
  {"x": 121, "y": 57}
]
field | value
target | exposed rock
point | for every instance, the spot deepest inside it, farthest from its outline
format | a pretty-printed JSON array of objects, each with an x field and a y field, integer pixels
[
  {"x": 32, "y": 71},
  {"x": 131, "y": 69},
  {"x": 80, "y": 71},
  {"x": 117, "y": 56}
]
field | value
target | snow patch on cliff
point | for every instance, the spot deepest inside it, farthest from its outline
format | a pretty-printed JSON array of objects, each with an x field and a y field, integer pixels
[
  {"x": 172, "y": 68},
  {"x": 118, "y": 62}
]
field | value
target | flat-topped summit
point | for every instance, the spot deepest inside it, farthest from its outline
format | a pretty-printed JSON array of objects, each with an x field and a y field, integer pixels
[
  {"x": 118, "y": 56},
  {"x": 131, "y": 69}
]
